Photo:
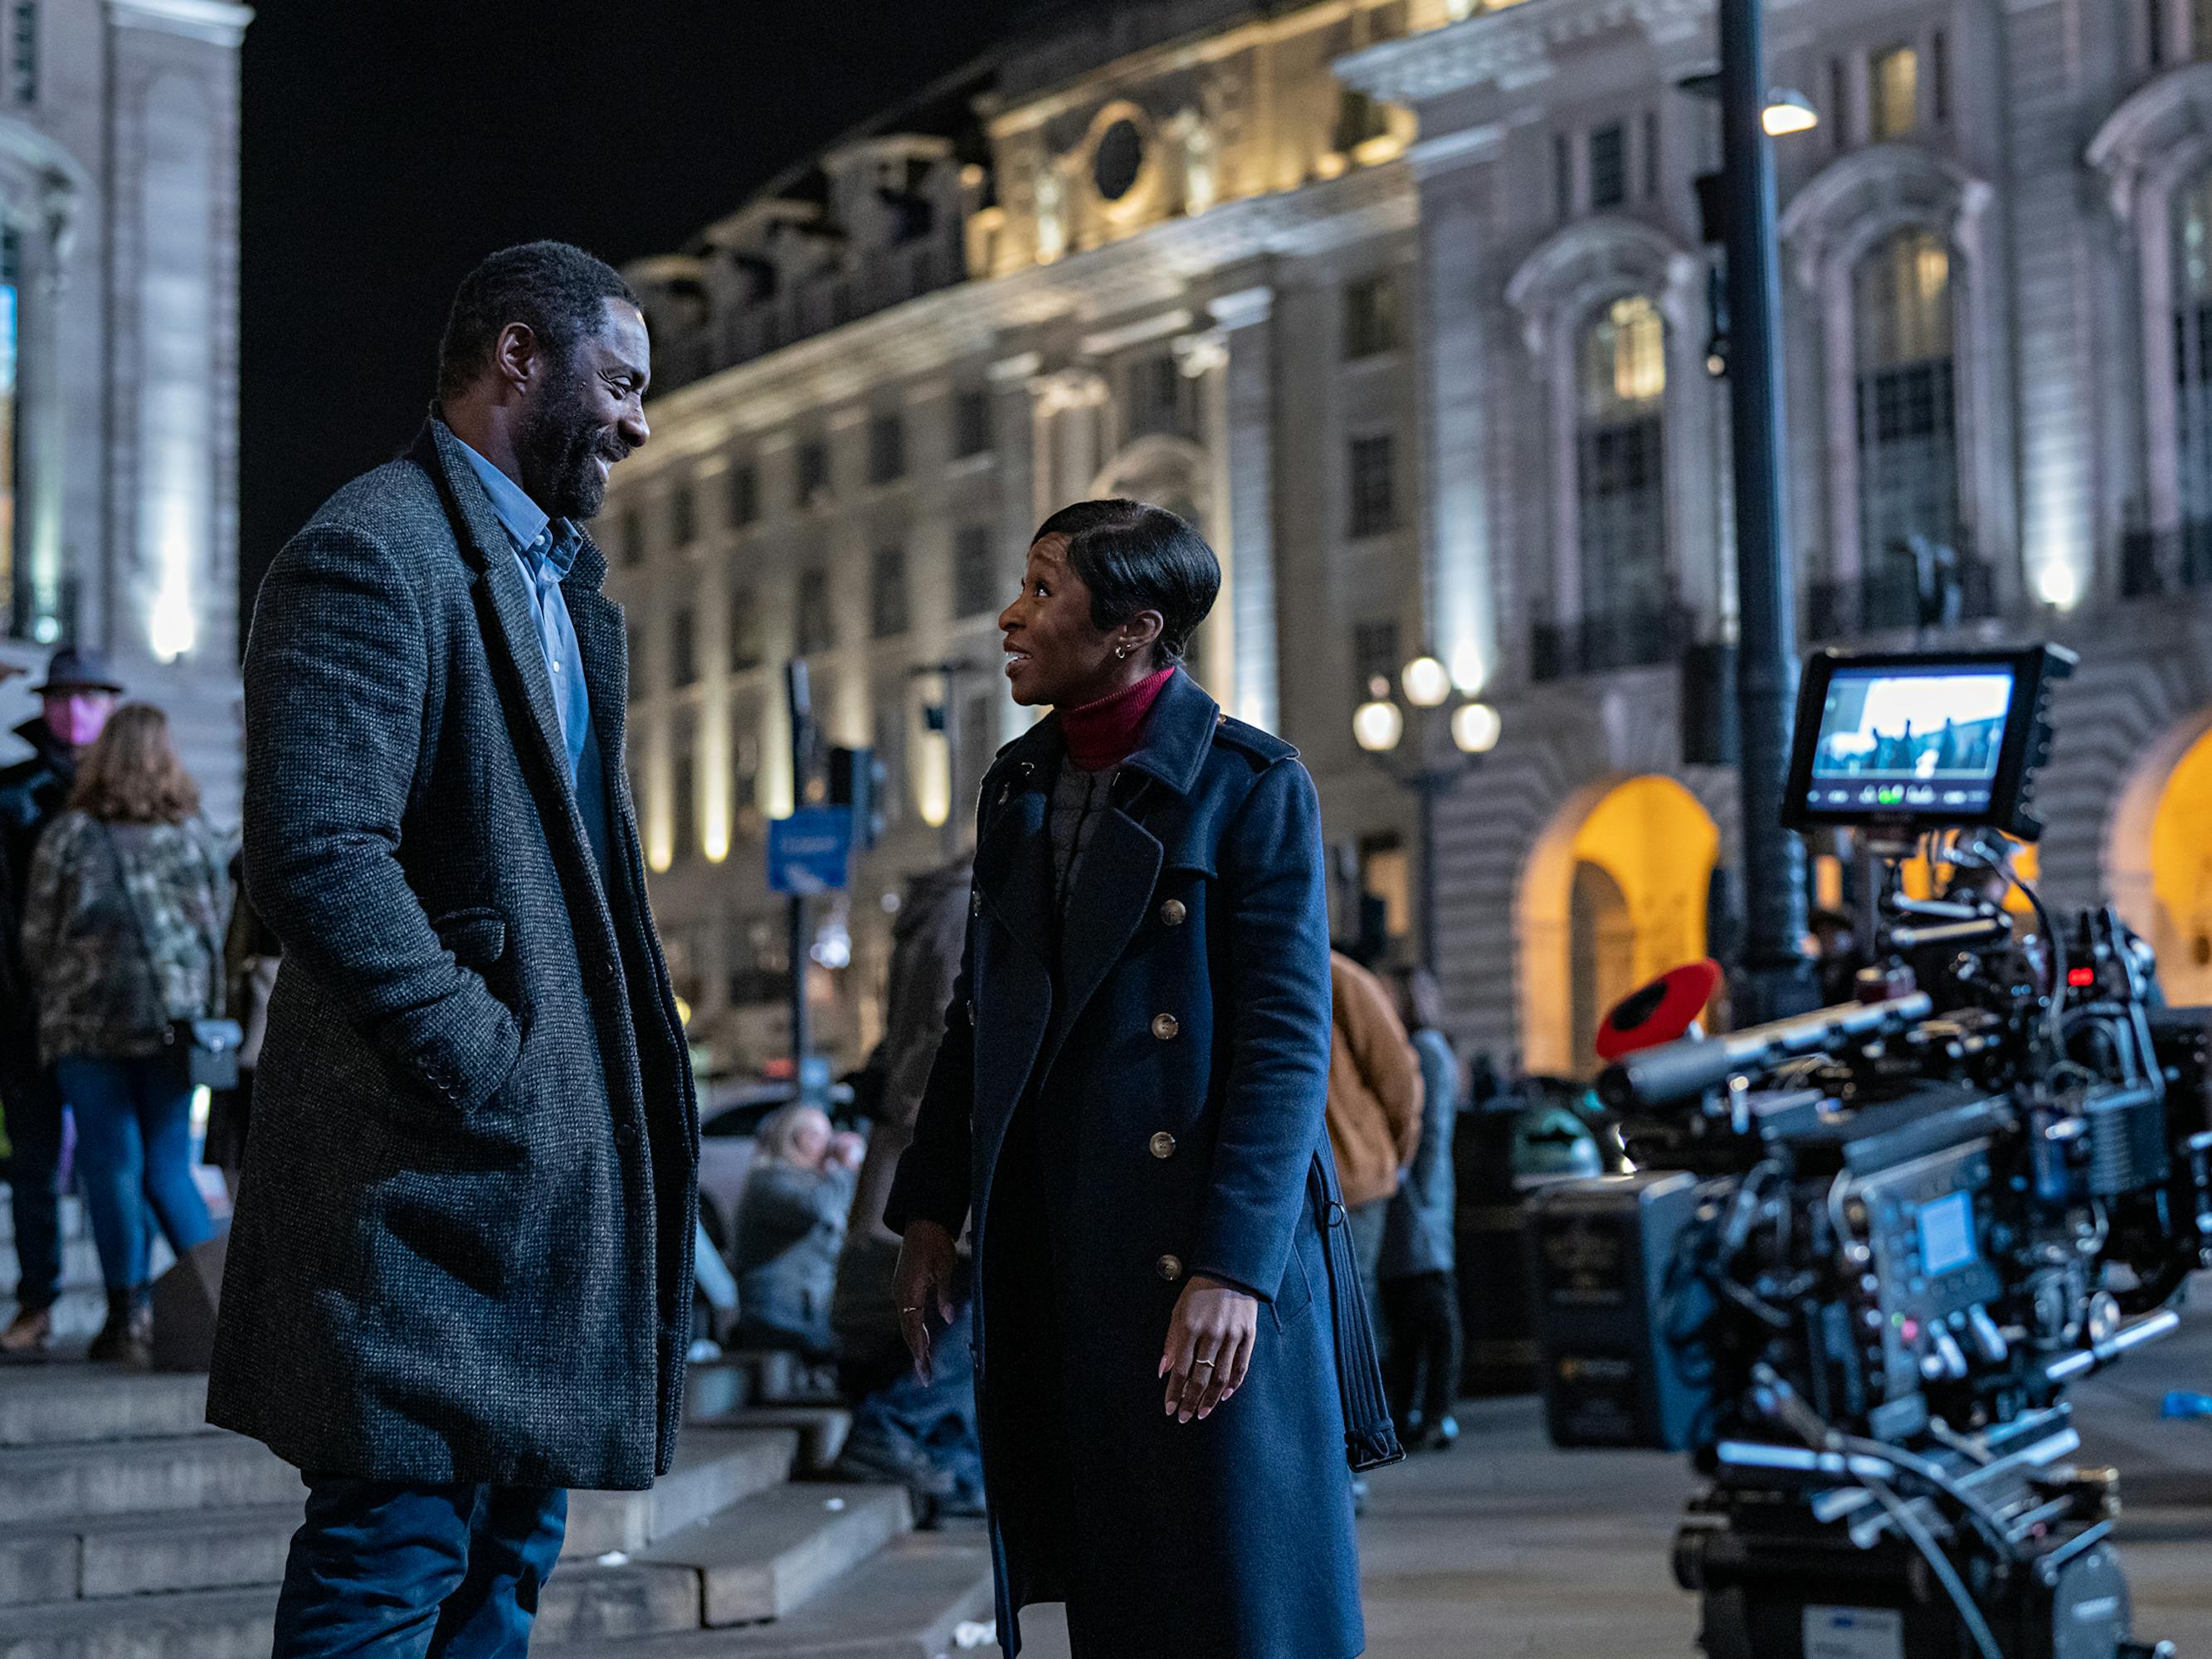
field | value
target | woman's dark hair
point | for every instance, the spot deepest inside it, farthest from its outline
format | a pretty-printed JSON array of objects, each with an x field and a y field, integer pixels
[
  {"x": 1135, "y": 556},
  {"x": 559, "y": 290}
]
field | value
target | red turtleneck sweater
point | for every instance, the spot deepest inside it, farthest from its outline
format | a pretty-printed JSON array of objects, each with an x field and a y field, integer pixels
[{"x": 1104, "y": 734}]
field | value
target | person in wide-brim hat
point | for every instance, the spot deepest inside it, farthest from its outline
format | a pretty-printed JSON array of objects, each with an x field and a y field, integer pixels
[{"x": 77, "y": 668}]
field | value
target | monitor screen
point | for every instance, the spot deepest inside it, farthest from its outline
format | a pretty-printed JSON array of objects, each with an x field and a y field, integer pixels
[
  {"x": 1922, "y": 740},
  {"x": 1946, "y": 1234}
]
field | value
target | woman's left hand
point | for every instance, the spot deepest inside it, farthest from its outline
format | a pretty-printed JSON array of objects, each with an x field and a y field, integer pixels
[{"x": 1209, "y": 1346}]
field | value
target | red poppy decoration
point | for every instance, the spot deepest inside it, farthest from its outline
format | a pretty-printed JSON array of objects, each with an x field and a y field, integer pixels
[{"x": 1662, "y": 1011}]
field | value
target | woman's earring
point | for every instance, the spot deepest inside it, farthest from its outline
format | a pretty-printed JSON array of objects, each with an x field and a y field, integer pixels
[{"x": 1121, "y": 651}]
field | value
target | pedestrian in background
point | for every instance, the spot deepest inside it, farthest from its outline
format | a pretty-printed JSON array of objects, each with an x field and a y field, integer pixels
[
  {"x": 919, "y": 1433},
  {"x": 1420, "y": 1289},
  {"x": 791, "y": 1225},
  {"x": 460, "y": 1278},
  {"x": 123, "y": 930},
  {"x": 1127, "y": 1102},
  {"x": 75, "y": 701},
  {"x": 1374, "y": 1104}
]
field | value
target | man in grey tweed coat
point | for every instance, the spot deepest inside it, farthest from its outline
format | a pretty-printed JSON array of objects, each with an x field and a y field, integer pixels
[{"x": 459, "y": 1279}]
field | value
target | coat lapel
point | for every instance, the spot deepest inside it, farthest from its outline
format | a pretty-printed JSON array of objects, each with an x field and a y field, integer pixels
[
  {"x": 1013, "y": 883},
  {"x": 1112, "y": 890},
  {"x": 512, "y": 632}
]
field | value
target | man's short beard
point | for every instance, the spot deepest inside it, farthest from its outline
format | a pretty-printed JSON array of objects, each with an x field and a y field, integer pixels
[{"x": 557, "y": 445}]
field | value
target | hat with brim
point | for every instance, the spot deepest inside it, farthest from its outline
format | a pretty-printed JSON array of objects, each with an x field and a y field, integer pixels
[{"x": 74, "y": 668}]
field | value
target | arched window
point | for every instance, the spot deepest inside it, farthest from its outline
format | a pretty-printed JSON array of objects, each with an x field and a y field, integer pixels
[
  {"x": 1620, "y": 476},
  {"x": 2192, "y": 362},
  {"x": 1908, "y": 421}
]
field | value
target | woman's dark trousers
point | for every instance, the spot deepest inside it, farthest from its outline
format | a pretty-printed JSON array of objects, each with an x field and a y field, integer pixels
[{"x": 1420, "y": 1371}]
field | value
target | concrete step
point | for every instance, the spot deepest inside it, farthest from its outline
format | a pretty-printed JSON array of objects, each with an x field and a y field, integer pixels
[
  {"x": 762, "y": 1558},
  {"x": 77, "y": 1404},
  {"x": 146, "y": 1554},
  {"x": 714, "y": 1468},
  {"x": 821, "y": 1429},
  {"x": 908, "y": 1601},
  {"x": 581, "y": 1604},
  {"x": 52, "y": 1484}
]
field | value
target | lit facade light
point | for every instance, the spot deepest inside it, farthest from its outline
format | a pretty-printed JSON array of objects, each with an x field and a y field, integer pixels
[
  {"x": 1468, "y": 671},
  {"x": 1475, "y": 728},
  {"x": 2057, "y": 585},
  {"x": 1788, "y": 110},
  {"x": 1426, "y": 682},
  {"x": 1377, "y": 726}
]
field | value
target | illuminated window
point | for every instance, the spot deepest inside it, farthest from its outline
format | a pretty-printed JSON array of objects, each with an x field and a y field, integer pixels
[
  {"x": 1896, "y": 92},
  {"x": 1908, "y": 410},
  {"x": 1621, "y": 486}
]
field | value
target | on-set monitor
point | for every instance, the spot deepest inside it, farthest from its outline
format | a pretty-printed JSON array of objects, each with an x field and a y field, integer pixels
[{"x": 1929, "y": 739}]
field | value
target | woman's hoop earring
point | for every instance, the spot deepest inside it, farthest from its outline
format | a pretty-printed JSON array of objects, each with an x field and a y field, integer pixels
[{"x": 1121, "y": 651}]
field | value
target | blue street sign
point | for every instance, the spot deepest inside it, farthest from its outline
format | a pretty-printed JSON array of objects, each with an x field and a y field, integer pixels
[{"x": 808, "y": 851}]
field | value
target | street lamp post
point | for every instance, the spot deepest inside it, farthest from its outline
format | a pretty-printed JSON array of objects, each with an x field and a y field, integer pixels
[
  {"x": 1451, "y": 736},
  {"x": 1766, "y": 643}
]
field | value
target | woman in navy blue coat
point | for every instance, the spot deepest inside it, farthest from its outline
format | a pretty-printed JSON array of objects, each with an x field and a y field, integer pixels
[{"x": 1127, "y": 1105}]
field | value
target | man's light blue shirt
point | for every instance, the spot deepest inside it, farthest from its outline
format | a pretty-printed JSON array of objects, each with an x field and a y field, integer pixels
[{"x": 545, "y": 551}]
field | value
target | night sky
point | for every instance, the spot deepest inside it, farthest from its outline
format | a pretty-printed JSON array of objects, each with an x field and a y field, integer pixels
[{"x": 388, "y": 146}]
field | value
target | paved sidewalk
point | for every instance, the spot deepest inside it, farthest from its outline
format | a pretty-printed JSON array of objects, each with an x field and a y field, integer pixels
[{"x": 1505, "y": 1549}]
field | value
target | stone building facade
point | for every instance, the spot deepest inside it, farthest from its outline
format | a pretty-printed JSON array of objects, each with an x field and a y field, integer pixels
[
  {"x": 119, "y": 356},
  {"x": 1406, "y": 305}
]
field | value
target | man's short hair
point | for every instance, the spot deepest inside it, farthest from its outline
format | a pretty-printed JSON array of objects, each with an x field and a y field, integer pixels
[{"x": 558, "y": 290}]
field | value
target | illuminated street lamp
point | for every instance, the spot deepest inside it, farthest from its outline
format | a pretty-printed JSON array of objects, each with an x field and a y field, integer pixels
[{"x": 1451, "y": 734}]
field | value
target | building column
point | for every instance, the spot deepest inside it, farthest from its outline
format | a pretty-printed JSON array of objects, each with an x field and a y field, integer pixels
[
  {"x": 1244, "y": 450},
  {"x": 1461, "y": 581}
]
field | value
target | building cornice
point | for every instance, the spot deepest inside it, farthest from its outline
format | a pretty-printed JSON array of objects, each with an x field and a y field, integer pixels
[
  {"x": 1505, "y": 49},
  {"x": 1156, "y": 267},
  {"x": 216, "y": 21}
]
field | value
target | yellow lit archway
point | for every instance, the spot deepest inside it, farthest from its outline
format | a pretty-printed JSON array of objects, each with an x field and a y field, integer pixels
[
  {"x": 2159, "y": 861},
  {"x": 1614, "y": 895}
]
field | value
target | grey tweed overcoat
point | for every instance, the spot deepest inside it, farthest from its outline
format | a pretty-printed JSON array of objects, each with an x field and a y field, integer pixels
[{"x": 463, "y": 1243}]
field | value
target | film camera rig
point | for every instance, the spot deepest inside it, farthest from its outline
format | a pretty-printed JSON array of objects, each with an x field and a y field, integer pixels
[{"x": 1862, "y": 1252}]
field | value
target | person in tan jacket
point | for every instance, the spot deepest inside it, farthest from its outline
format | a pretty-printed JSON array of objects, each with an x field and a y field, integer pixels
[{"x": 1374, "y": 1103}]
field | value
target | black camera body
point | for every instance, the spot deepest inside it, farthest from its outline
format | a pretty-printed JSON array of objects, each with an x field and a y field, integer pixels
[{"x": 1864, "y": 1250}]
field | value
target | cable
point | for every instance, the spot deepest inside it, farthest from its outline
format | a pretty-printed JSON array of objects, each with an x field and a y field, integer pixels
[{"x": 1902, "y": 1517}]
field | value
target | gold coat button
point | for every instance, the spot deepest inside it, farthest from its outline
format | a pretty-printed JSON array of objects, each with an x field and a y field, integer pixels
[
  {"x": 1164, "y": 1026},
  {"x": 1164, "y": 1145},
  {"x": 1172, "y": 912},
  {"x": 1171, "y": 1267}
]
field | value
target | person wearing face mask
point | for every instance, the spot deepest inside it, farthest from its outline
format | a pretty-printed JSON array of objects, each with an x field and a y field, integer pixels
[
  {"x": 1126, "y": 1107},
  {"x": 459, "y": 1276},
  {"x": 76, "y": 699}
]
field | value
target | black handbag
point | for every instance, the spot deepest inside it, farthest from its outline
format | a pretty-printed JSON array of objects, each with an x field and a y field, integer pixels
[
  {"x": 199, "y": 1053},
  {"x": 1370, "y": 1439}
]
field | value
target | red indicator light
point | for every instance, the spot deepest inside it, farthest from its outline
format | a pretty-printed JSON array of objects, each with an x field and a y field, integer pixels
[{"x": 2080, "y": 978}]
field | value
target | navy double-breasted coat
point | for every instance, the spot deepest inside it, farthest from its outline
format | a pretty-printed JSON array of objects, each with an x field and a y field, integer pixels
[{"x": 1128, "y": 1094}]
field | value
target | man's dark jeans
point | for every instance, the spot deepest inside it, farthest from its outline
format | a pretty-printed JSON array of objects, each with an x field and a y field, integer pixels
[
  {"x": 381, "y": 1571},
  {"x": 34, "y": 1109},
  {"x": 904, "y": 1427}
]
